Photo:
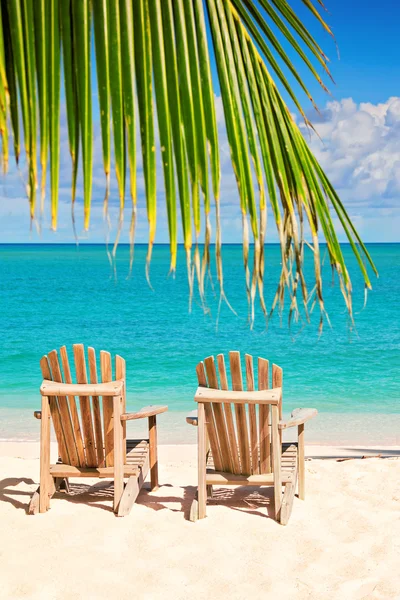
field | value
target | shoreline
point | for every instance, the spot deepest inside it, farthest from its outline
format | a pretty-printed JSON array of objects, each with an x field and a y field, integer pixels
[
  {"x": 378, "y": 430},
  {"x": 31, "y": 450}
]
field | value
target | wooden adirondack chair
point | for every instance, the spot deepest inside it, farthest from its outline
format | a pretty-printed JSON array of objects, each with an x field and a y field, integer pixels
[
  {"x": 250, "y": 453},
  {"x": 92, "y": 438}
]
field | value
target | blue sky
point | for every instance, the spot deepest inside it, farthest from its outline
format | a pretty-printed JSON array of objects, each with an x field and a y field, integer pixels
[{"x": 359, "y": 125}]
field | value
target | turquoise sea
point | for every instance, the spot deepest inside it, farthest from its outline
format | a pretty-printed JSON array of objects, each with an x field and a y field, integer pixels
[{"x": 52, "y": 295}]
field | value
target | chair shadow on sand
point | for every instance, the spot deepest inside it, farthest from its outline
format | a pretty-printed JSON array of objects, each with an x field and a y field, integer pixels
[
  {"x": 7, "y": 493},
  {"x": 243, "y": 499}
]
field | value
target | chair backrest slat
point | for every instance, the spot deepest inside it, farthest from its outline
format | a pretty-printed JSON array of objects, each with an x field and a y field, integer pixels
[
  {"x": 106, "y": 376},
  {"x": 226, "y": 460},
  {"x": 252, "y": 416},
  {"x": 66, "y": 422},
  {"x": 98, "y": 426},
  {"x": 55, "y": 413},
  {"x": 73, "y": 409},
  {"x": 209, "y": 414},
  {"x": 120, "y": 373},
  {"x": 86, "y": 413},
  {"x": 264, "y": 418},
  {"x": 240, "y": 411},
  {"x": 277, "y": 381},
  {"x": 229, "y": 417}
]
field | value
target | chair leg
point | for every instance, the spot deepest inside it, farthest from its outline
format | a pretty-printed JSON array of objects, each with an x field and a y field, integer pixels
[
  {"x": 210, "y": 491},
  {"x": 276, "y": 451},
  {"x": 118, "y": 453},
  {"x": 287, "y": 503},
  {"x": 153, "y": 453},
  {"x": 301, "y": 464},
  {"x": 45, "y": 477},
  {"x": 202, "y": 453},
  {"x": 64, "y": 485},
  {"x": 53, "y": 486}
]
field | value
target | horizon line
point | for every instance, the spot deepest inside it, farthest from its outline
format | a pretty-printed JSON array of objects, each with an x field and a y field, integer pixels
[{"x": 180, "y": 244}]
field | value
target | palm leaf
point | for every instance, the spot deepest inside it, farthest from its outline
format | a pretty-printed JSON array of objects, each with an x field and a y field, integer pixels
[
  {"x": 71, "y": 91},
  {"x": 164, "y": 124},
  {"x": 41, "y": 15},
  {"x": 81, "y": 26},
  {"x": 143, "y": 61},
  {"x": 176, "y": 127},
  {"x": 101, "y": 39},
  {"x": 3, "y": 101},
  {"x": 54, "y": 106},
  {"x": 160, "y": 52}
]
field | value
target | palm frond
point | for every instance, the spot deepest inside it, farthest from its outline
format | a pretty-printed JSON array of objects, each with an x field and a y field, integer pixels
[{"x": 158, "y": 55}]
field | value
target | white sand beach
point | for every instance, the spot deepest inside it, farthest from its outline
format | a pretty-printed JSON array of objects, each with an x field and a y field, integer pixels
[{"x": 342, "y": 543}]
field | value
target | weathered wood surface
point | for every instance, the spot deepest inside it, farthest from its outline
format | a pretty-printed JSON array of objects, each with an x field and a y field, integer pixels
[
  {"x": 287, "y": 502},
  {"x": 202, "y": 449},
  {"x": 276, "y": 460},
  {"x": 153, "y": 454},
  {"x": 91, "y": 440},
  {"x": 246, "y": 446},
  {"x": 132, "y": 489},
  {"x": 220, "y": 426},
  {"x": 106, "y": 377},
  {"x": 229, "y": 416},
  {"x": 51, "y": 388},
  {"x": 55, "y": 413},
  {"x": 240, "y": 412},
  {"x": 217, "y": 478},
  {"x": 137, "y": 452},
  {"x": 63, "y": 406},
  {"x": 147, "y": 411},
  {"x": 301, "y": 462},
  {"x": 84, "y": 401},
  {"x": 73, "y": 408},
  {"x": 252, "y": 416},
  {"x": 263, "y": 418},
  {"x": 209, "y": 418},
  {"x": 45, "y": 483},
  {"x": 271, "y": 396},
  {"x": 118, "y": 453},
  {"x": 34, "y": 503},
  {"x": 299, "y": 417},
  {"x": 120, "y": 374},
  {"x": 98, "y": 426}
]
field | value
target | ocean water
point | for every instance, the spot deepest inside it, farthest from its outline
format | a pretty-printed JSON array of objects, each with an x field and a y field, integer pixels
[{"x": 51, "y": 295}]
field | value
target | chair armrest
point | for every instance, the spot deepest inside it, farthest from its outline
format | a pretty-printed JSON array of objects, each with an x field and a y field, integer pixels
[
  {"x": 192, "y": 418},
  {"x": 299, "y": 417},
  {"x": 37, "y": 414},
  {"x": 147, "y": 411},
  {"x": 53, "y": 388}
]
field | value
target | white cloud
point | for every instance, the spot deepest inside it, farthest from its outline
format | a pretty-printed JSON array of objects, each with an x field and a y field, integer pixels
[{"x": 360, "y": 152}]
